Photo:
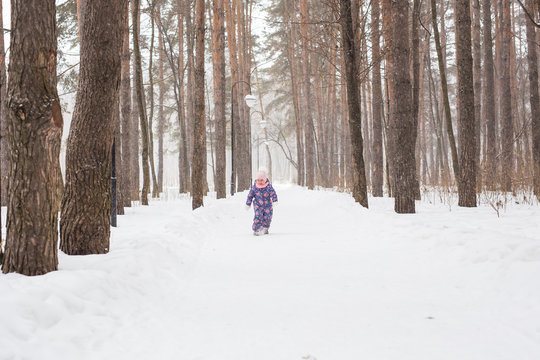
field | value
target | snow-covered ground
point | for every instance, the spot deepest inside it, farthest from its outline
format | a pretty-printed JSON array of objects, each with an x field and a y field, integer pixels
[{"x": 332, "y": 281}]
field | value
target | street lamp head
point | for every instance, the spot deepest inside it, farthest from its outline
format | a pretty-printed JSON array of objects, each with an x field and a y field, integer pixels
[
  {"x": 251, "y": 100},
  {"x": 263, "y": 124}
]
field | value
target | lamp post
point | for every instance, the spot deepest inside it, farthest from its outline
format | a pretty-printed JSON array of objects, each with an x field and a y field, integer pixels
[{"x": 233, "y": 175}]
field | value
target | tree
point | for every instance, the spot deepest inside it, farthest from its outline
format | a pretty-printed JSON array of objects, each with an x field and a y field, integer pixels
[
  {"x": 466, "y": 110},
  {"x": 489, "y": 97},
  {"x": 199, "y": 128},
  {"x": 4, "y": 156},
  {"x": 141, "y": 102},
  {"x": 125, "y": 113},
  {"x": 218, "y": 58},
  {"x": 401, "y": 119},
  {"x": 534, "y": 97},
  {"x": 377, "y": 153},
  {"x": 34, "y": 133},
  {"x": 306, "y": 83},
  {"x": 353, "y": 99},
  {"x": 506, "y": 99},
  {"x": 86, "y": 205}
]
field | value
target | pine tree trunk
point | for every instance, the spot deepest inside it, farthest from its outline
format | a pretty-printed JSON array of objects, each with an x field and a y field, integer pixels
[
  {"x": 4, "y": 155},
  {"x": 199, "y": 128},
  {"x": 308, "y": 123},
  {"x": 401, "y": 120},
  {"x": 125, "y": 105},
  {"x": 86, "y": 205},
  {"x": 218, "y": 58},
  {"x": 161, "y": 99},
  {"x": 155, "y": 188},
  {"x": 416, "y": 83},
  {"x": 34, "y": 134},
  {"x": 377, "y": 151},
  {"x": 507, "y": 132},
  {"x": 489, "y": 98},
  {"x": 355, "y": 121},
  {"x": 466, "y": 109},
  {"x": 534, "y": 98},
  {"x": 477, "y": 73},
  {"x": 141, "y": 103},
  {"x": 117, "y": 148}
]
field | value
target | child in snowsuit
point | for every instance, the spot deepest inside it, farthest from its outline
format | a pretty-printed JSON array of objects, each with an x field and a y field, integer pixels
[{"x": 263, "y": 196}]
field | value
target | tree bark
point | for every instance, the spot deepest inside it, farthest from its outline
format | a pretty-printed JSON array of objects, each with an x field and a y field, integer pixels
[
  {"x": 161, "y": 99},
  {"x": 377, "y": 152},
  {"x": 155, "y": 188},
  {"x": 125, "y": 111},
  {"x": 34, "y": 134},
  {"x": 141, "y": 101},
  {"x": 218, "y": 58},
  {"x": 4, "y": 155},
  {"x": 401, "y": 119},
  {"x": 308, "y": 117},
  {"x": 86, "y": 205},
  {"x": 507, "y": 133},
  {"x": 353, "y": 99},
  {"x": 466, "y": 109},
  {"x": 199, "y": 129},
  {"x": 534, "y": 97},
  {"x": 489, "y": 98}
]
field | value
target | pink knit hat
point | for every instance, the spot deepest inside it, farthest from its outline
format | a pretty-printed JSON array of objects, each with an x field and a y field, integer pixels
[{"x": 261, "y": 175}]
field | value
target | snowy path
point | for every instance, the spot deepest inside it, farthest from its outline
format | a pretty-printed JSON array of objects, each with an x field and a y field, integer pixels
[{"x": 332, "y": 281}]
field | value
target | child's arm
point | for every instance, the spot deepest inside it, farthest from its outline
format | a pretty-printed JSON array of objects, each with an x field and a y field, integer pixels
[
  {"x": 250, "y": 196},
  {"x": 273, "y": 194}
]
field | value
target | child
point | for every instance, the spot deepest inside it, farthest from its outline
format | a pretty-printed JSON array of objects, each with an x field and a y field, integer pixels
[{"x": 263, "y": 196}]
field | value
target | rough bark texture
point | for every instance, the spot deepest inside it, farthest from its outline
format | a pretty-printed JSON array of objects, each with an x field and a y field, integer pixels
[
  {"x": 401, "y": 119},
  {"x": 218, "y": 57},
  {"x": 155, "y": 189},
  {"x": 308, "y": 117},
  {"x": 86, "y": 205},
  {"x": 199, "y": 128},
  {"x": 415, "y": 50},
  {"x": 125, "y": 113},
  {"x": 534, "y": 97},
  {"x": 141, "y": 102},
  {"x": 465, "y": 94},
  {"x": 34, "y": 133},
  {"x": 377, "y": 152},
  {"x": 353, "y": 102},
  {"x": 489, "y": 97},
  {"x": 506, "y": 101},
  {"x": 4, "y": 155}
]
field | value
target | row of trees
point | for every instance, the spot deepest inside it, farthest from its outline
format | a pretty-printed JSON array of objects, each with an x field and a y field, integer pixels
[
  {"x": 447, "y": 92},
  {"x": 369, "y": 91}
]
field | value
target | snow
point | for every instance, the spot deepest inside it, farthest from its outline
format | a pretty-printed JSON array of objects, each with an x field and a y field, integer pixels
[{"x": 332, "y": 281}]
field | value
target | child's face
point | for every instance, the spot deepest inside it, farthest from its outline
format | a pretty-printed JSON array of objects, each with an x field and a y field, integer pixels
[{"x": 261, "y": 181}]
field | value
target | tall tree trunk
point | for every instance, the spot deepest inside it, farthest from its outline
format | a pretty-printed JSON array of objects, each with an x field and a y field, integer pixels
[
  {"x": 86, "y": 205},
  {"x": 183, "y": 153},
  {"x": 353, "y": 98},
  {"x": 161, "y": 99},
  {"x": 377, "y": 152},
  {"x": 401, "y": 119},
  {"x": 34, "y": 134},
  {"x": 444, "y": 86},
  {"x": 233, "y": 63},
  {"x": 416, "y": 83},
  {"x": 141, "y": 101},
  {"x": 117, "y": 148},
  {"x": 489, "y": 98},
  {"x": 477, "y": 73},
  {"x": 506, "y": 101},
  {"x": 309, "y": 129},
  {"x": 199, "y": 128},
  {"x": 466, "y": 110},
  {"x": 155, "y": 189},
  {"x": 534, "y": 98},
  {"x": 4, "y": 155},
  {"x": 218, "y": 58},
  {"x": 125, "y": 105}
]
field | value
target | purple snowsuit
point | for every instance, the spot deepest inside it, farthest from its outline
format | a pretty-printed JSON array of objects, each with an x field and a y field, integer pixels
[{"x": 262, "y": 205}]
